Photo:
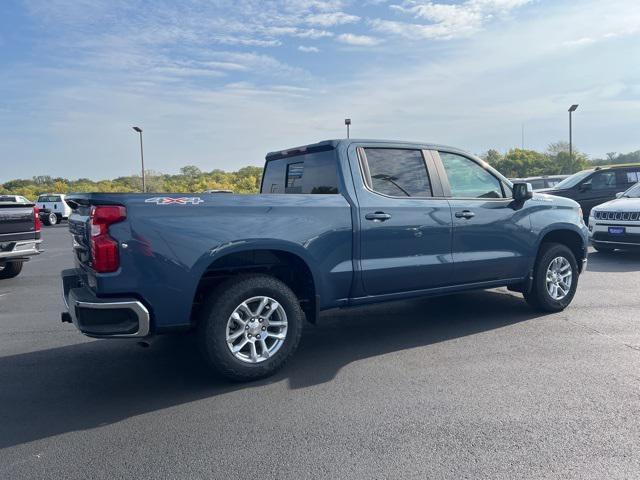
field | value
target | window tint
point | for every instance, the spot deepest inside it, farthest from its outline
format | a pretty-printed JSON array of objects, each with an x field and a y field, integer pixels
[
  {"x": 294, "y": 177},
  {"x": 536, "y": 184},
  {"x": 602, "y": 180},
  {"x": 467, "y": 179},
  {"x": 7, "y": 198},
  {"x": 313, "y": 173},
  {"x": 398, "y": 172}
]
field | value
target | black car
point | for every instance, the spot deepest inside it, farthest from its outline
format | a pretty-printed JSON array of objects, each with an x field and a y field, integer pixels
[
  {"x": 596, "y": 185},
  {"x": 538, "y": 183}
]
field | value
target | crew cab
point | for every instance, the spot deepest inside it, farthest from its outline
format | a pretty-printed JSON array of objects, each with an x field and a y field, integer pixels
[
  {"x": 53, "y": 208},
  {"x": 336, "y": 224},
  {"x": 616, "y": 224},
  {"x": 19, "y": 235}
]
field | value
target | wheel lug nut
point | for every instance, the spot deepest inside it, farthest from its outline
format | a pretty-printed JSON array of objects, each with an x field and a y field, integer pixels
[
  {"x": 264, "y": 328},
  {"x": 249, "y": 335},
  {"x": 258, "y": 336},
  {"x": 261, "y": 320},
  {"x": 246, "y": 327}
]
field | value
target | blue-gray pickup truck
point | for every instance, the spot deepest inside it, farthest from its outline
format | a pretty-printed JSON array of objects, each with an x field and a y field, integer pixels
[{"x": 336, "y": 224}]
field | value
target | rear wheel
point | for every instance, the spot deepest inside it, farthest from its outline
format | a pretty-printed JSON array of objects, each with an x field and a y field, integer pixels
[
  {"x": 249, "y": 327},
  {"x": 11, "y": 269},
  {"x": 53, "y": 219},
  {"x": 555, "y": 278}
]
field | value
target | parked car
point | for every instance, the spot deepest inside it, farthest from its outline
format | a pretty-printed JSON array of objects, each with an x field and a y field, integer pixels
[
  {"x": 337, "y": 224},
  {"x": 53, "y": 208},
  {"x": 13, "y": 199},
  {"x": 616, "y": 224},
  {"x": 596, "y": 185},
  {"x": 19, "y": 235},
  {"x": 545, "y": 181}
]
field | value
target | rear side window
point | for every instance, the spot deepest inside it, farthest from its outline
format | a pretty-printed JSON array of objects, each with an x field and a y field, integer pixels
[
  {"x": 397, "y": 172},
  {"x": 312, "y": 173},
  {"x": 629, "y": 177}
]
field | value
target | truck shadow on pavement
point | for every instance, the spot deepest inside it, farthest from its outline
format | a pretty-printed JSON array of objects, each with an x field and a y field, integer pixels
[{"x": 87, "y": 385}]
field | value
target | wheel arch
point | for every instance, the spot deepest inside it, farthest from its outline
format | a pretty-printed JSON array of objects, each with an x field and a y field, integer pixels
[
  {"x": 288, "y": 262},
  {"x": 568, "y": 236}
]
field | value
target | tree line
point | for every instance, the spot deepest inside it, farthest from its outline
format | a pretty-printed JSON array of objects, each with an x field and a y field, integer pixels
[{"x": 516, "y": 163}]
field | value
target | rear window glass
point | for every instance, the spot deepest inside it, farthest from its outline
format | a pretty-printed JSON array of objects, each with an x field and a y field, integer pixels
[
  {"x": 49, "y": 198},
  {"x": 7, "y": 198},
  {"x": 312, "y": 173}
]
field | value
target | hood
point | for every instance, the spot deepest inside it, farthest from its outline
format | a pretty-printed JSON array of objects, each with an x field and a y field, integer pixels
[
  {"x": 541, "y": 196},
  {"x": 620, "y": 205}
]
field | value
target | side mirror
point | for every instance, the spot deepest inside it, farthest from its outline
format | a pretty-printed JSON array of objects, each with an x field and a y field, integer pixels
[
  {"x": 619, "y": 194},
  {"x": 583, "y": 187},
  {"x": 522, "y": 191}
]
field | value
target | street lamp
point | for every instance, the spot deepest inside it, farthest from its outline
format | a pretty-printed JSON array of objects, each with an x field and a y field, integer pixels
[
  {"x": 572, "y": 109},
  {"x": 139, "y": 130},
  {"x": 347, "y": 122}
]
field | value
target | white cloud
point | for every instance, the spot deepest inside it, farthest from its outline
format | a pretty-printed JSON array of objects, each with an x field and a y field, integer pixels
[
  {"x": 358, "y": 40},
  {"x": 446, "y": 20},
  {"x": 331, "y": 19},
  {"x": 306, "y": 49}
]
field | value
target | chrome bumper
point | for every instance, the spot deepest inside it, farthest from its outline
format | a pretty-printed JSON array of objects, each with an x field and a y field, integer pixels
[
  {"x": 23, "y": 248},
  {"x": 103, "y": 317}
]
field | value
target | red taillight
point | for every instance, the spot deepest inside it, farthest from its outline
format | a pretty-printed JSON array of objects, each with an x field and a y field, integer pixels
[
  {"x": 37, "y": 226},
  {"x": 104, "y": 249}
]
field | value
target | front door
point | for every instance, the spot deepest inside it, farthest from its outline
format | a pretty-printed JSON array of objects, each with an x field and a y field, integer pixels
[
  {"x": 405, "y": 239},
  {"x": 491, "y": 235},
  {"x": 598, "y": 188}
]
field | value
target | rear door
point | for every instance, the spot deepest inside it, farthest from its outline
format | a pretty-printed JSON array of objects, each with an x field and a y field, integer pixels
[
  {"x": 492, "y": 237},
  {"x": 405, "y": 236}
]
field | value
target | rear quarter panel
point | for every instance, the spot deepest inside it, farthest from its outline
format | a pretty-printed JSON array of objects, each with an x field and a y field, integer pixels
[{"x": 169, "y": 247}]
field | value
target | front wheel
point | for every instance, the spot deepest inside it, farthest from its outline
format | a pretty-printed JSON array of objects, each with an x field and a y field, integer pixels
[
  {"x": 249, "y": 327},
  {"x": 555, "y": 278}
]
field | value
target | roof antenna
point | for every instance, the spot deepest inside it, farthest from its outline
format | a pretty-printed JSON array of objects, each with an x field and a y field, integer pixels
[{"x": 347, "y": 122}]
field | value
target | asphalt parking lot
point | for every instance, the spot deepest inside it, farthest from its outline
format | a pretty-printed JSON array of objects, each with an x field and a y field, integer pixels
[{"x": 469, "y": 386}]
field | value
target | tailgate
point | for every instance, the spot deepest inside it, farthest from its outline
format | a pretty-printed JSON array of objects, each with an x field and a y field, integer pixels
[{"x": 16, "y": 218}]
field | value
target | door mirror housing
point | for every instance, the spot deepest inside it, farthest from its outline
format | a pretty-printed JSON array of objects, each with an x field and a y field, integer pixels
[
  {"x": 522, "y": 191},
  {"x": 583, "y": 187}
]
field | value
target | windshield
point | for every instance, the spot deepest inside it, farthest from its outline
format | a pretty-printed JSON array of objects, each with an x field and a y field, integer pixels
[
  {"x": 633, "y": 192},
  {"x": 573, "y": 180}
]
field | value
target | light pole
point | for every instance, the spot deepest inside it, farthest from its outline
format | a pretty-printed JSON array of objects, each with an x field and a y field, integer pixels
[
  {"x": 139, "y": 130},
  {"x": 572, "y": 109},
  {"x": 347, "y": 122}
]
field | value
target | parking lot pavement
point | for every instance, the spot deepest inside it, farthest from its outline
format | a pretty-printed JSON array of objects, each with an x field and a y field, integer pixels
[{"x": 469, "y": 386}]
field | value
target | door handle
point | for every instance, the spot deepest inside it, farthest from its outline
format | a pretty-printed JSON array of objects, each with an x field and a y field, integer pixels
[
  {"x": 377, "y": 216},
  {"x": 465, "y": 214}
]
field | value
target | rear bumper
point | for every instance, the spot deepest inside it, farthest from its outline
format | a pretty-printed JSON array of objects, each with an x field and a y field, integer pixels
[
  {"x": 103, "y": 317},
  {"x": 19, "y": 250}
]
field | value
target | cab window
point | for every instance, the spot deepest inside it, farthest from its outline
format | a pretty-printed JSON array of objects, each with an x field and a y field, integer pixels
[
  {"x": 601, "y": 181},
  {"x": 468, "y": 179}
]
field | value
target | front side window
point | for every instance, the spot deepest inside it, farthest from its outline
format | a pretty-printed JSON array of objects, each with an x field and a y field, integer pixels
[
  {"x": 467, "y": 179},
  {"x": 602, "y": 181},
  {"x": 397, "y": 172}
]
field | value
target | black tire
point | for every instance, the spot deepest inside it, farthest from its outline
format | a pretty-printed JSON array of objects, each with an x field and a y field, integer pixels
[
  {"x": 45, "y": 220},
  {"x": 11, "y": 269},
  {"x": 601, "y": 249},
  {"x": 539, "y": 298},
  {"x": 219, "y": 306}
]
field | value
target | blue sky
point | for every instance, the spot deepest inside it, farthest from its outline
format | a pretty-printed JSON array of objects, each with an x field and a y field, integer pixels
[{"x": 218, "y": 83}]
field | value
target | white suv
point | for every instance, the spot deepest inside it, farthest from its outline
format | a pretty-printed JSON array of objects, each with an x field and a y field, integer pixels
[
  {"x": 616, "y": 224},
  {"x": 53, "y": 208}
]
